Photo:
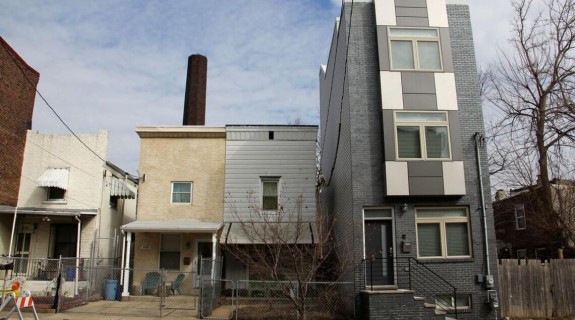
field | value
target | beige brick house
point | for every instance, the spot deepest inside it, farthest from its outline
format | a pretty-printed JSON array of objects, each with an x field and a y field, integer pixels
[{"x": 180, "y": 211}]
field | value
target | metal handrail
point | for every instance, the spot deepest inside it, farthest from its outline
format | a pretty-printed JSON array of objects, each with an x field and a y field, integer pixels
[{"x": 434, "y": 285}]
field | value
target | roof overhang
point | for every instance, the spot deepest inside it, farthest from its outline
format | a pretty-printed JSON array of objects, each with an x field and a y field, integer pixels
[
  {"x": 119, "y": 189},
  {"x": 173, "y": 226},
  {"x": 49, "y": 212},
  {"x": 267, "y": 233}
]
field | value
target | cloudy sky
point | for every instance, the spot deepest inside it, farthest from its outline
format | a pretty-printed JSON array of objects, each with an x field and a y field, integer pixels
[{"x": 115, "y": 65}]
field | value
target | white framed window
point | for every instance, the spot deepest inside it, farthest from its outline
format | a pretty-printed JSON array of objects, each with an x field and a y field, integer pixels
[
  {"x": 414, "y": 49},
  {"x": 270, "y": 193},
  {"x": 449, "y": 302},
  {"x": 182, "y": 192},
  {"x": 170, "y": 251},
  {"x": 520, "y": 221},
  {"x": 55, "y": 194},
  {"x": 443, "y": 233},
  {"x": 422, "y": 135}
]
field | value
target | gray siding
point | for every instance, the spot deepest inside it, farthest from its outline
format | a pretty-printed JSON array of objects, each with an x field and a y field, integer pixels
[{"x": 250, "y": 155}]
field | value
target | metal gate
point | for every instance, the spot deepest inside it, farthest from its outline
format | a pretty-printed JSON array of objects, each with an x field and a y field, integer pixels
[{"x": 214, "y": 303}]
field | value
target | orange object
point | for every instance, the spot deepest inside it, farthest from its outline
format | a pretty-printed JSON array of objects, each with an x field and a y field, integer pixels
[{"x": 15, "y": 286}]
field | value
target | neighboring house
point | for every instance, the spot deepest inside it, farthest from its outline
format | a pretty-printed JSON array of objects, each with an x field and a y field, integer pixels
[
  {"x": 17, "y": 93},
  {"x": 400, "y": 126},
  {"x": 525, "y": 232},
  {"x": 180, "y": 205},
  {"x": 71, "y": 203},
  {"x": 270, "y": 173}
]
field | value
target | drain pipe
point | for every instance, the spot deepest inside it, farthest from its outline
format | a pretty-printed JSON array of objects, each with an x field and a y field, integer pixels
[
  {"x": 13, "y": 231},
  {"x": 479, "y": 142},
  {"x": 77, "y": 253}
]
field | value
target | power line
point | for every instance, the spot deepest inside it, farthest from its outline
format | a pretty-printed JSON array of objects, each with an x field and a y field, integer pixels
[{"x": 48, "y": 104}]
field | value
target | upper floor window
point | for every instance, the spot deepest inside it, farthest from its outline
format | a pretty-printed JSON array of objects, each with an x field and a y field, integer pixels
[
  {"x": 422, "y": 135},
  {"x": 270, "y": 193},
  {"x": 443, "y": 233},
  {"x": 415, "y": 49},
  {"x": 520, "y": 221},
  {"x": 181, "y": 192},
  {"x": 55, "y": 194}
]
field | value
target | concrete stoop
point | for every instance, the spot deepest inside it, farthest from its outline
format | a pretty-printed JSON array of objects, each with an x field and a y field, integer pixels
[{"x": 398, "y": 303}]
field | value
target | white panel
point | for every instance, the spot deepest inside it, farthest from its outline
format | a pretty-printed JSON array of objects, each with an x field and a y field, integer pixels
[
  {"x": 385, "y": 12},
  {"x": 445, "y": 90},
  {"x": 453, "y": 178},
  {"x": 396, "y": 178},
  {"x": 437, "y": 13},
  {"x": 391, "y": 90}
]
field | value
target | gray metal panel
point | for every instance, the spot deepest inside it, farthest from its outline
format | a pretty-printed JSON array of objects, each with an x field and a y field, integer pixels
[
  {"x": 418, "y": 82},
  {"x": 411, "y": 12},
  {"x": 425, "y": 186},
  {"x": 424, "y": 101},
  {"x": 446, "y": 53},
  {"x": 455, "y": 136},
  {"x": 425, "y": 169},
  {"x": 412, "y": 22},
  {"x": 411, "y": 3},
  {"x": 383, "y": 48},
  {"x": 388, "y": 135}
]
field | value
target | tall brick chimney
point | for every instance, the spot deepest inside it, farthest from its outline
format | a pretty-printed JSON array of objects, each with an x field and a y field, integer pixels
[{"x": 195, "y": 101}]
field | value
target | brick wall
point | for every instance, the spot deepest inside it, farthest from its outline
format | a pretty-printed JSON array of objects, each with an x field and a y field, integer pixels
[{"x": 17, "y": 95}]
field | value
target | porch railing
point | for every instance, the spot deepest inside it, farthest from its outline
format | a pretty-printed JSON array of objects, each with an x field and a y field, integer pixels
[{"x": 410, "y": 273}]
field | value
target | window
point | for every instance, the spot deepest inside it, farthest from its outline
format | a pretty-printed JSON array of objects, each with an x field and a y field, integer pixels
[
  {"x": 181, "y": 192},
  {"x": 448, "y": 302},
  {"x": 443, "y": 233},
  {"x": 170, "y": 251},
  {"x": 520, "y": 221},
  {"x": 55, "y": 194},
  {"x": 270, "y": 193},
  {"x": 414, "y": 49},
  {"x": 422, "y": 135},
  {"x": 521, "y": 253}
]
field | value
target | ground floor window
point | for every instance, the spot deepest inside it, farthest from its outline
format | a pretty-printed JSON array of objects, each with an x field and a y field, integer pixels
[
  {"x": 447, "y": 302},
  {"x": 170, "y": 251},
  {"x": 443, "y": 232}
]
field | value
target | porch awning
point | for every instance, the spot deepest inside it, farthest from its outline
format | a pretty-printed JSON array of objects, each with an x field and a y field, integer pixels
[
  {"x": 172, "y": 226},
  {"x": 263, "y": 232},
  {"x": 54, "y": 178},
  {"x": 119, "y": 189}
]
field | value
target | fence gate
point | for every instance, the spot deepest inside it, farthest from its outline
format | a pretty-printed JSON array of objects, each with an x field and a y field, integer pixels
[{"x": 214, "y": 303}]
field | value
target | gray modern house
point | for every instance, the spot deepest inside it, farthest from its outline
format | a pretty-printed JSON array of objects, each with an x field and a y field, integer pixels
[{"x": 402, "y": 160}]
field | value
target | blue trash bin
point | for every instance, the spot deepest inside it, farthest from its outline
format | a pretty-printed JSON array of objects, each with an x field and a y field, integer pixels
[
  {"x": 70, "y": 273},
  {"x": 110, "y": 289}
]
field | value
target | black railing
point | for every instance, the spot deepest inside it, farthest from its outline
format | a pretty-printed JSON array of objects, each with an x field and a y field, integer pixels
[{"x": 410, "y": 273}]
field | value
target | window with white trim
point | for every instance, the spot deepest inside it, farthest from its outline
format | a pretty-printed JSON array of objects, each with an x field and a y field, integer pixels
[
  {"x": 449, "y": 302},
  {"x": 170, "y": 251},
  {"x": 520, "y": 221},
  {"x": 181, "y": 192},
  {"x": 415, "y": 49},
  {"x": 443, "y": 233},
  {"x": 422, "y": 135},
  {"x": 270, "y": 193}
]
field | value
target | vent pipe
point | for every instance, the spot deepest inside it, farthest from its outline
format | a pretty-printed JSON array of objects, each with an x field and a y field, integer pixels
[{"x": 195, "y": 100}]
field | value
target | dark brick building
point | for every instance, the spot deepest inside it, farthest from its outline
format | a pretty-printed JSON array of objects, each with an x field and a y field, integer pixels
[
  {"x": 17, "y": 93},
  {"x": 403, "y": 161}
]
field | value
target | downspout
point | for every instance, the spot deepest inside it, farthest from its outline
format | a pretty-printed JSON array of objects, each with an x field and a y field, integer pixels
[
  {"x": 122, "y": 261},
  {"x": 126, "y": 291},
  {"x": 77, "y": 254},
  {"x": 479, "y": 141},
  {"x": 13, "y": 231}
]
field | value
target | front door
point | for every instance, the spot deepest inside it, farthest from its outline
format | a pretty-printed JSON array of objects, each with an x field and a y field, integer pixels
[
  {"x": 204, "y": 261},
  {"x": 379, "y": 252},
  {"x": 22, "y": 251}
]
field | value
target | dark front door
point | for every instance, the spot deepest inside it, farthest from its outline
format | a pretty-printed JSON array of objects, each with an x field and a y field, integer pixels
[
  {"x": 379, "y": 252},
  {"x": 65, "y": 240}
]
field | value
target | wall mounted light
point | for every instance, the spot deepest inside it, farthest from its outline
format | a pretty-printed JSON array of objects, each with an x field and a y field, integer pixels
[
  {"x": 46, "y": 219},
  {"x": 404, "y": 208}
]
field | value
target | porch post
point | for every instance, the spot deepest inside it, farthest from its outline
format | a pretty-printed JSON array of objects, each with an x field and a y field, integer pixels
[
  {"x": 214, "y": 247},
  {"x": 128, "y": 241},
  {"x": 77, "y": 254},
  {"x": 13, "y": 231}
]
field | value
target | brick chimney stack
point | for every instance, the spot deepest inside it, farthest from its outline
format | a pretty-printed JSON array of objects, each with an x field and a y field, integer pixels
[{"x": 195, "y": 101}]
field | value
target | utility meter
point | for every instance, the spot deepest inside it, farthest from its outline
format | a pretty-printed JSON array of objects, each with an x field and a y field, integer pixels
[{"x": 492, "y": 298}]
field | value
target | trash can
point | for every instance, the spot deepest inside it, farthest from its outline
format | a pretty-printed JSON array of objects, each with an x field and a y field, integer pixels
[
  {"x": 110, "y": 289},
  {"x": 70, "y": 273}
]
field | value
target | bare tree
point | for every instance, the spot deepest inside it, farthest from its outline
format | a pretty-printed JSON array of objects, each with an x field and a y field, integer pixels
[
  {"x": 533, "y": 87},
  {"x": 287, "y": 248}
]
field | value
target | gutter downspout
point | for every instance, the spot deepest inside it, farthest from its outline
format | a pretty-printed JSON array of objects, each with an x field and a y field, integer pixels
[
  {"x": 126, "y": 291},
  {"x": 13, "y": 231},
  {"x": 77, "y": 254},
  {"x": 122, "y": 261},
  {"x": 479, "y": 141}
]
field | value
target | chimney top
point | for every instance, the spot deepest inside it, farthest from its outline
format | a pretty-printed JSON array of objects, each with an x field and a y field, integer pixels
[{"x": 195, "y": 98}]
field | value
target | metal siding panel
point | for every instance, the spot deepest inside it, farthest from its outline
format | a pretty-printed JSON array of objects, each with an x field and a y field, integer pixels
[
  {"x": 383, "y": 48},
  {"x": 446, "y": 53},
  {"x": 388, "y": 135},
  {"x": 412, "y": 22},
  {"x": 455, "y": 136},
  {"x": 425, "y": 186},
  {"x": 411, "y": 3},
  {"x": 425, "y": 168},
  {"x": 425, "y": 101},
  {"x": 418, "y": 82},
  {"x": 410, "y": 12}
]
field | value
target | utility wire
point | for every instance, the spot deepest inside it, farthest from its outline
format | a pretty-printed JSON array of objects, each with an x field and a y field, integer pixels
[{"x": 48, "y": 104}]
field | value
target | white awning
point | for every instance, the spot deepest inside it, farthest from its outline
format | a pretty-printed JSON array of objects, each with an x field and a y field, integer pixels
[
  {"x": 54, "y": 178},
  {"x": 265, "y": 232},
  {"x": 172, "y": 226},
  {"x": 119, "y": 189}
]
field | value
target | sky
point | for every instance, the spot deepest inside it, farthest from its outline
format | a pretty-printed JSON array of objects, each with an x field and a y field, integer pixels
[{"x": 117, "y": 64}]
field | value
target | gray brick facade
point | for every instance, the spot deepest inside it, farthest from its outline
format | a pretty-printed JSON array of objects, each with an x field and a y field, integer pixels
[{"x": 353, "y": 162}]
